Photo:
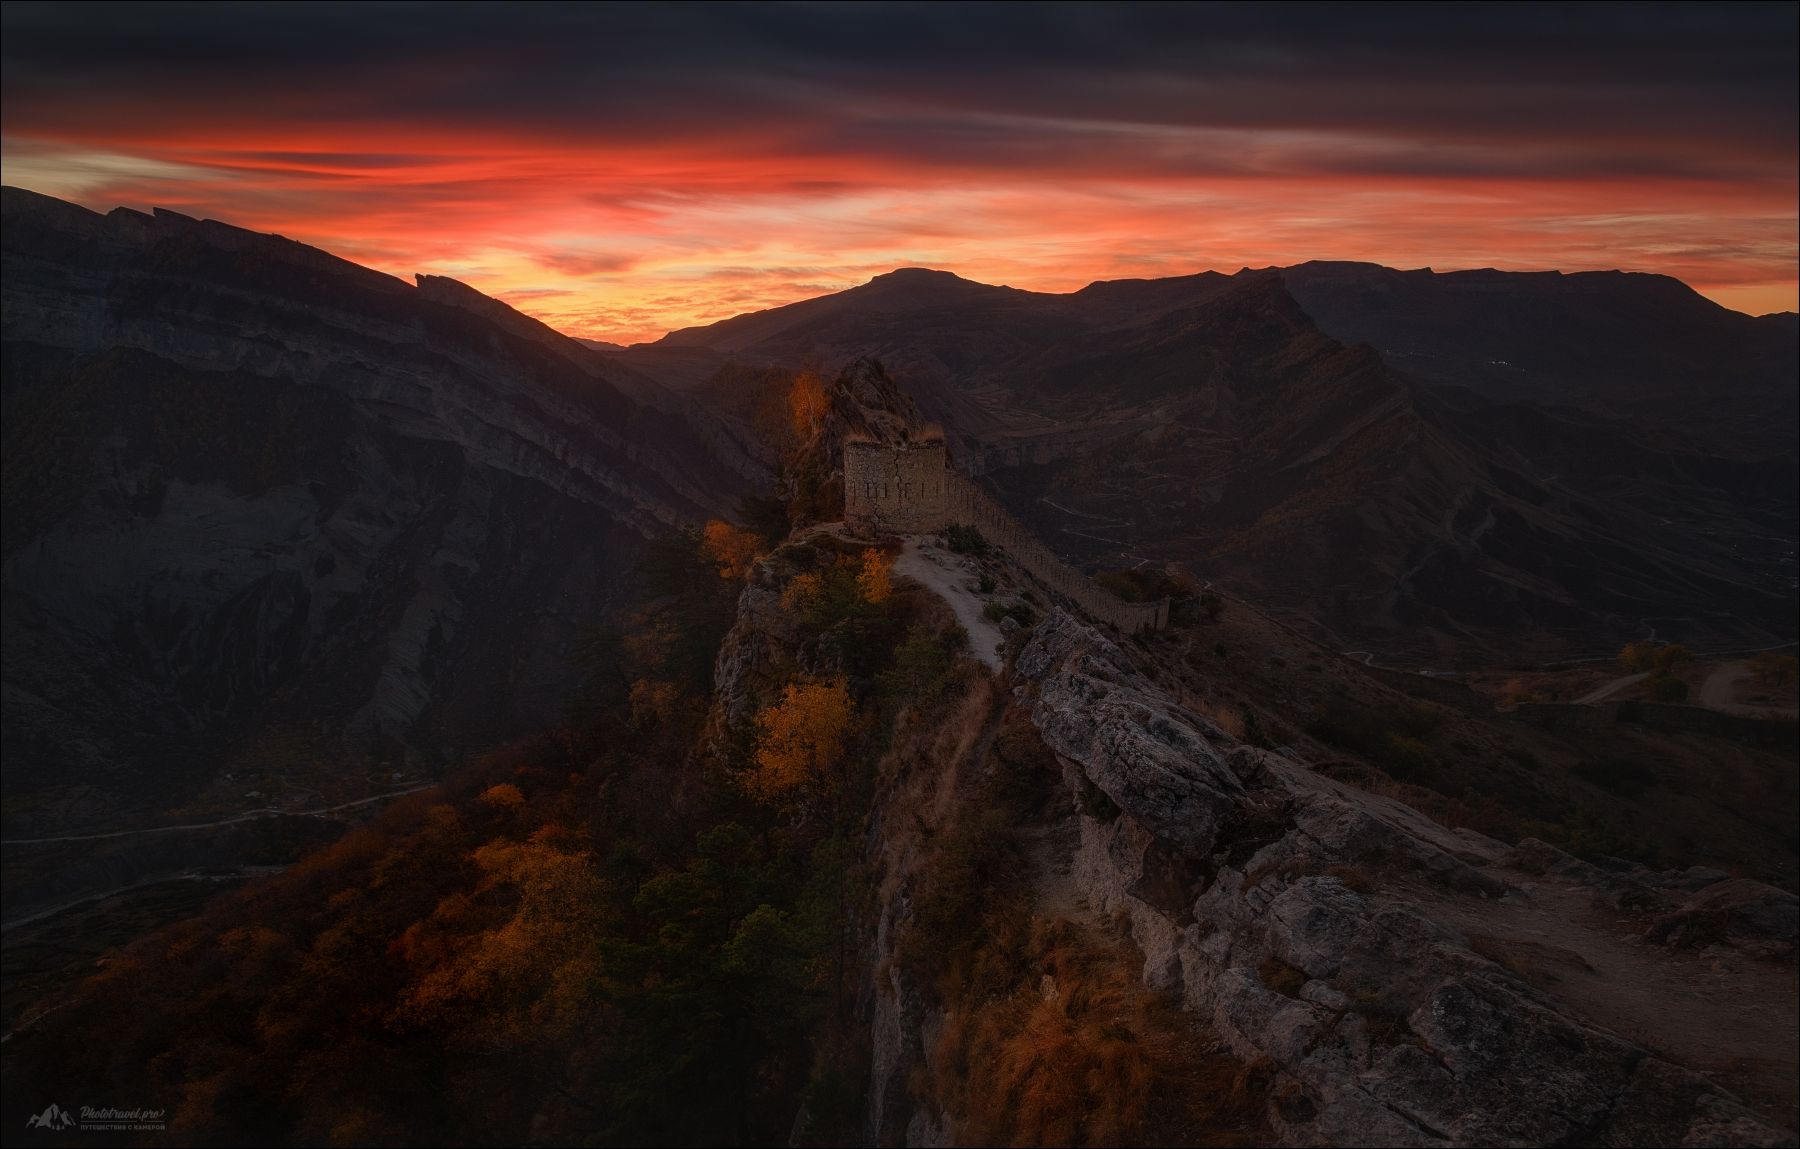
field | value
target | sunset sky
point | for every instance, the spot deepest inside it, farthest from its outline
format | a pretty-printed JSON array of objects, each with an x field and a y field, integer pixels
[{"x": 620, "y": 171}]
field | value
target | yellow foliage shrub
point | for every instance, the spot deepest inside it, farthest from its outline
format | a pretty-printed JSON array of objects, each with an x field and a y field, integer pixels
[
  {"x": 505, "y": 796},
  {"x": 801, "y": 592},
  {"x": 874, "y": 580},
  {"x": 800, "y": 739},
  {"x": 528, "y": 972},
  {"x": 1076, "y": 1054},
  {"x": 733, "y": 548}
]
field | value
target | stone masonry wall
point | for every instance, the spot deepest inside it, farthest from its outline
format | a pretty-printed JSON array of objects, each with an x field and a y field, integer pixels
[
  {"x": 909, "y": 490},
  {"x": 894, "y": 489},
  {"x": 968, "y": 503}
]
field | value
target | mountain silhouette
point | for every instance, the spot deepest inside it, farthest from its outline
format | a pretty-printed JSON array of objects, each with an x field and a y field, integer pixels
[{"x": 54, "y": 1118}]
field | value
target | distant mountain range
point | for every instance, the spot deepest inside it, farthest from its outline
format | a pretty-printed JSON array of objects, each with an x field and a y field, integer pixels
[
  {"x": 1439, "y": 468},
  {"x": 264, "y": 506}
]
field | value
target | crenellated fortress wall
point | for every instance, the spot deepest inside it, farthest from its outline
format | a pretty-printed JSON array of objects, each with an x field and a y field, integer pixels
[{"x": 910, "y": 489}]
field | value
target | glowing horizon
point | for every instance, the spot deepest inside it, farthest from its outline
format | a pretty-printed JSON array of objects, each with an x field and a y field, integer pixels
[{"x": 754, "y": 158}]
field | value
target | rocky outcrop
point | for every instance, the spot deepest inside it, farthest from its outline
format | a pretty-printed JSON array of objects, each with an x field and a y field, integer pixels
[
  {"x": 1360, "y": 949},
  {"x": 767, "y": 643}
]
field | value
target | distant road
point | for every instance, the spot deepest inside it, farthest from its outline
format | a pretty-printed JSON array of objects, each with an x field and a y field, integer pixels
[
  {"x": 250, "y": 816},
  {"x": 1717, "y": 691},
  {"x": 235, "y": 875},
  {"x": 1611, "y": 688}
]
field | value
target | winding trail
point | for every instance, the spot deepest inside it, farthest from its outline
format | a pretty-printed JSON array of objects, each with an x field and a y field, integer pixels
[
  {"x": 944, "y": 573},
  {"x": 248, "y": 816}
]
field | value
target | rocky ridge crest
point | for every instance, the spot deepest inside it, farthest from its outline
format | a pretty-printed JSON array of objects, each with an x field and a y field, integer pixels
[{"x": 1332, "y": 933}]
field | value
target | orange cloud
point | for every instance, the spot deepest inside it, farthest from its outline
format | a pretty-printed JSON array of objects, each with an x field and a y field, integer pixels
[{"x": 622, "y": 172}]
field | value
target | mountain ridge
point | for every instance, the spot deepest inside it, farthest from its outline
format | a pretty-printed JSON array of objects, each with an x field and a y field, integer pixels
[
  {"x": 273, "y": 498},
  {"x": 1116, "y": 415}
]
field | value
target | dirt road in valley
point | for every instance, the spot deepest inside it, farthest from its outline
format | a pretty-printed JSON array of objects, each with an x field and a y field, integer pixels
[
  {"x": 1594, "y": 697},
  {"x": 1719, "y": 692}
]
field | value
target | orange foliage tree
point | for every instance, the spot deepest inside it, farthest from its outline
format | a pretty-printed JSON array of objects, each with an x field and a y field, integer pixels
[
  {"x": 505, "y": 796},
  {"x": 515, "y": 976},
  {"x": 732, "y": 548},
  {"x": 807, "y": 404},
  {"x": 874, "y": 580},
  {"x": 801, "y": 592},
  {"x": 800, "y": 740}
]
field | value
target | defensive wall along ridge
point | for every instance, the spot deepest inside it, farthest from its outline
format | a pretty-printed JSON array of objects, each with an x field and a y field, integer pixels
[{"x": 909, "y": 489}]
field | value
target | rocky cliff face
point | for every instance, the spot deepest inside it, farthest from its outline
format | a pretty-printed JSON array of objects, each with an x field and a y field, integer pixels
[
  {"x": 1383, "y": 980},
  {"x": 1409, "y": 985},
  {"x": 268, "y": 513}
]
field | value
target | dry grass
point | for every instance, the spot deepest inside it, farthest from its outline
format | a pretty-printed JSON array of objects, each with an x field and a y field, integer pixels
[
  {"x": 1080, "y": 1053},
  {"x": 1446, "y": 811},
  {"x": 1229, "y": 718},
  {"x": 1049, "y": 1036}
]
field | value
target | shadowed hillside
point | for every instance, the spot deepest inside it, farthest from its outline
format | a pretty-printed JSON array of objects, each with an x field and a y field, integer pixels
[
  {"x": 279, "y": 528},
  {"x": 1209, "y": 420}
]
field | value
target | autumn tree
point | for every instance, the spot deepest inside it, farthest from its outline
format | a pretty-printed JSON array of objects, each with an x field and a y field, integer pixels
[
  {"x": 800, "y": 740},
  {"x": 808, "y": 404},
  {"x": 731, "y": 547},
  {"x": 1637, "y": 656},
  {"x": 802, "y": 591},
  {"x": 873, "y": 580},
  {"x": 1673, "y": 657},
  {"x": 505, "y": 796},
  {"x": 521, "y": 977}
]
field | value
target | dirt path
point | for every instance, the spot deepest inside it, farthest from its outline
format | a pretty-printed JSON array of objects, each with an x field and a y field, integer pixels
[
  {"x": 1717, "y": 1012},
  {"x": 949, "y": 574},
  {"x": 1719, "y": 692},
  {"x": 1050, "y": 853},
  {"x": 1594, "y": 697}
]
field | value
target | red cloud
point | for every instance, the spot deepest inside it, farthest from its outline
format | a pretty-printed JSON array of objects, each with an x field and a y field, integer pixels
[{"x": 623, "y": 172}]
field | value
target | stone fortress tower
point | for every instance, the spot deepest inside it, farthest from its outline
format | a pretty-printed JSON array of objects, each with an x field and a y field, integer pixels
[
  {"x": 908, "y": 488},
  {"x": 895, "y": 489}
]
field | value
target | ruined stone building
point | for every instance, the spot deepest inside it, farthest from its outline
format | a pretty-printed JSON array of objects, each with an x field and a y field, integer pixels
[
  {"x": 895, "y": 490},
  {"x": 910, "y": 489}
]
